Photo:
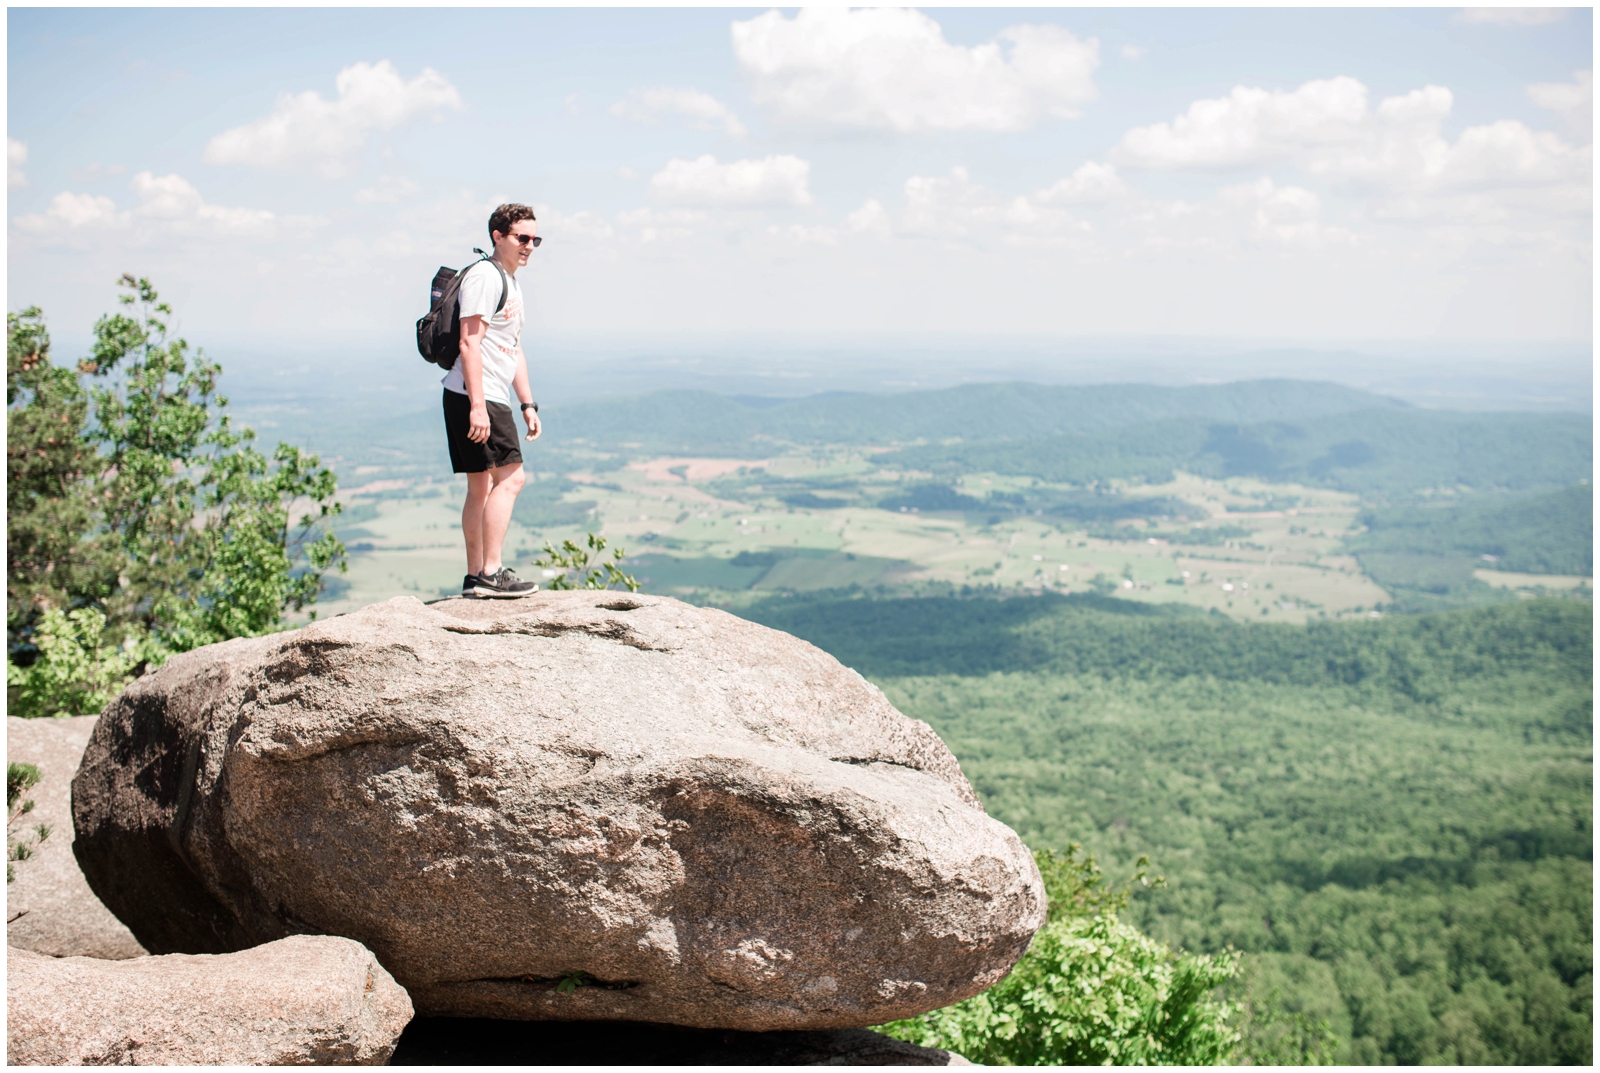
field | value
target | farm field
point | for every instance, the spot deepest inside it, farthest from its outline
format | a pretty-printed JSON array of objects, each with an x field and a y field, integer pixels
[
  {"x": 1276, "y": 501},
  {"x": 715, "y": 530}
]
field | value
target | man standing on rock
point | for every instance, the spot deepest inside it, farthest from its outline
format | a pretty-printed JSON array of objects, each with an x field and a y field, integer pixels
[{"x": 477, "y": 401}]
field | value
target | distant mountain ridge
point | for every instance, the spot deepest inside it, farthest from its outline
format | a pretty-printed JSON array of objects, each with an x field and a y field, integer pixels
[
  {"x": 1278, "y": 430},
  {"x": 978, "y": 412},
  {"x": 1380, "y": 451}
]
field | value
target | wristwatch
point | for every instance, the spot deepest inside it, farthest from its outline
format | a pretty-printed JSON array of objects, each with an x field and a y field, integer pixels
[{"x": 530, "y": 406}]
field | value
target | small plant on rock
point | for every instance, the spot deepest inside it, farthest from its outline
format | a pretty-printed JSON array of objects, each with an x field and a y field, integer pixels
[
  {"x": 20, "y": 778},
  {"x": 579, "y": 567},
  {"x": 571, "y": 981}
]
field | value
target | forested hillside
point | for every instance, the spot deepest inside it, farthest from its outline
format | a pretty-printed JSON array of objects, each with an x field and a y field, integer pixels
[
  {"x": 1381, "y": 452},
  {"x": 1428, "y": 556},
  {"x": 1392, "y": 817},
  {"x": 700, "y": 420}
]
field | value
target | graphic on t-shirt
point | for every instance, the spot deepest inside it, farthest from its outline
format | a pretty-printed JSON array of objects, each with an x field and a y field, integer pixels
[{"x": 510, "y": 315}]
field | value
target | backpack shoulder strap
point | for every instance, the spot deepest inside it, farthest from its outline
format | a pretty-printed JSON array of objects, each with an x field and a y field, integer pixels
[{"x": 504, "y": 286}]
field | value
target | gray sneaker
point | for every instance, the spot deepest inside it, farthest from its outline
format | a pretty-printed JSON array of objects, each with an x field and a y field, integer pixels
[
  {"x": 469, "y": 585},
  {"x": 502, "y": 584}
]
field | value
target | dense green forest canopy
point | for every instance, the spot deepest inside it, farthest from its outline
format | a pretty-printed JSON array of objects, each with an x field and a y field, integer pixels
[
  {"x": 1419, "y": 657},
  {"x": 1552, "y": 533},
  {"x": 1391, "y": 817}
]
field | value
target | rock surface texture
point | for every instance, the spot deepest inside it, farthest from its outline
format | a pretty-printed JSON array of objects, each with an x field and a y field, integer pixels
[
  {"x": 463, "y": 1041},
  {"x": 49, "y": 907},
  {"x": 714, "y": 823},
  {"x": 305, "y": 1000}
]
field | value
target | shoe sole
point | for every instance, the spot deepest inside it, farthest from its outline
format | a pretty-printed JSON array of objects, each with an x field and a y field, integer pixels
[{"x": 496, "y": 594}]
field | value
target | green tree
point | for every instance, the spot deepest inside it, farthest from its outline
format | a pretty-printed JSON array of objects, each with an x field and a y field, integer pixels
[
  {"x": 1090, "y": 990},
  {"x": 144, "y": 504},
  {"x": 211, "y": 544},
  {"x": 54, "y": 557}
]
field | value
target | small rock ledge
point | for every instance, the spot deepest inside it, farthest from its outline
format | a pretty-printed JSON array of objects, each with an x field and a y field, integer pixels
[{"x": 479, "y": 1041}]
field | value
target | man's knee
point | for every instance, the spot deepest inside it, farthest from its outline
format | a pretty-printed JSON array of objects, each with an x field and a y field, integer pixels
[{"x": 511, "y": 478}]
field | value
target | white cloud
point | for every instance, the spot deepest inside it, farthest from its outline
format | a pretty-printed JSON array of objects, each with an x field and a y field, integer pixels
[
  {"x": 16, "y": 156},
  {"x": 955, "y": 207},
  {"x": 69, "y": 211},
  {"x": 1250, "y": 126},
  {"x": 570, "y": 228},
  {"x": 388, "y": 191},
  {"x": 805, "y": 234},
  {"x": 705, "y": 183},
  {"x": 870, "y": 219},
  {"x": 1134, "y": 52},
  {"x": 701, "y": 110},
  {"x": 1572, "y": 101},
  {"x": 1280, "y": 215},
  {"x": 647, "y": 226},
  {"x": 1093, "y": 182},
  {"x": 168, "y": 206},
  {"x": 892, "y": 69},
  {"x": 308, "y": 129},
  {"x": 172, "y": 200},
  {"x": 1327, "y": 128},
  {"x": 1507, "y": 153},
  {"x": 1512, "y": 16}
]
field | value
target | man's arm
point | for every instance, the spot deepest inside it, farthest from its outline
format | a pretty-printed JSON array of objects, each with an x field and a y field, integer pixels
[
  {"x": 519, "y": 384},
  {"x": 473, "y": 330}
]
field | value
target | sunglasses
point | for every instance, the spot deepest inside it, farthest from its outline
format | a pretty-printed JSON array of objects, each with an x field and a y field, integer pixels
[{"x": 523, "y": 240}]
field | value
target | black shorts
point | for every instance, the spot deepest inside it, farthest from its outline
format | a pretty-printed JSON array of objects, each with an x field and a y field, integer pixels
[{"x": 468, "y": 457}]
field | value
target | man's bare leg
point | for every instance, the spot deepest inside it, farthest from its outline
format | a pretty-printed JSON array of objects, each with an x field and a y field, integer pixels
[
  {"x": 508, "y": 481},
  {"x": 478, "y": 487},
  {"x": 486, "y": 515}
]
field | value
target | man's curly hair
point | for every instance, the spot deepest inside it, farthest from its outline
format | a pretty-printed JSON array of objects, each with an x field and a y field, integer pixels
[{"x": 502, "y": 218}]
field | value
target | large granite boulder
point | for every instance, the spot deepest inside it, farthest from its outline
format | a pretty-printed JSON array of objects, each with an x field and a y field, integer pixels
[
  {"x": 49, "y": 907},
  {"x": 305, "y": 1000},
  {"x": 577, "y": 806}
]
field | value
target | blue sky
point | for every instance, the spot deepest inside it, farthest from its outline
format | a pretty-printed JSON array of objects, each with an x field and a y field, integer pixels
[{"x": 1319, "y": 175}]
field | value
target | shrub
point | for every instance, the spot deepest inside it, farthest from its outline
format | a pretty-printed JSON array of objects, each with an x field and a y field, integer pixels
[
  {"x": 1091, "y": 990},
  {"x": 75, "y": 673}
]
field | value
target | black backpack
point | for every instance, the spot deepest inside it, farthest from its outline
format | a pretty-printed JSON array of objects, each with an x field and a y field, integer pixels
[{"x": 439, "y": 332}]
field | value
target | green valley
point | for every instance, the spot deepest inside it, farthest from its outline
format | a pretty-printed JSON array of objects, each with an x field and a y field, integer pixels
[
  {"x": 1324, "y": 657},
  {"x": 1391, "y": 818}
]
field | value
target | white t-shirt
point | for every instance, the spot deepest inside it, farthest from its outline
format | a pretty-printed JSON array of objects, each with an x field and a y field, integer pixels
[{"x": 502, "y": 343}]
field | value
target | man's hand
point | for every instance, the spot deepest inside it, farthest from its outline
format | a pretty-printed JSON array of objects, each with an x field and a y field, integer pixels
[
  {"x": 478, "y": 423},
  {"x": 534, "y": 425}
]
